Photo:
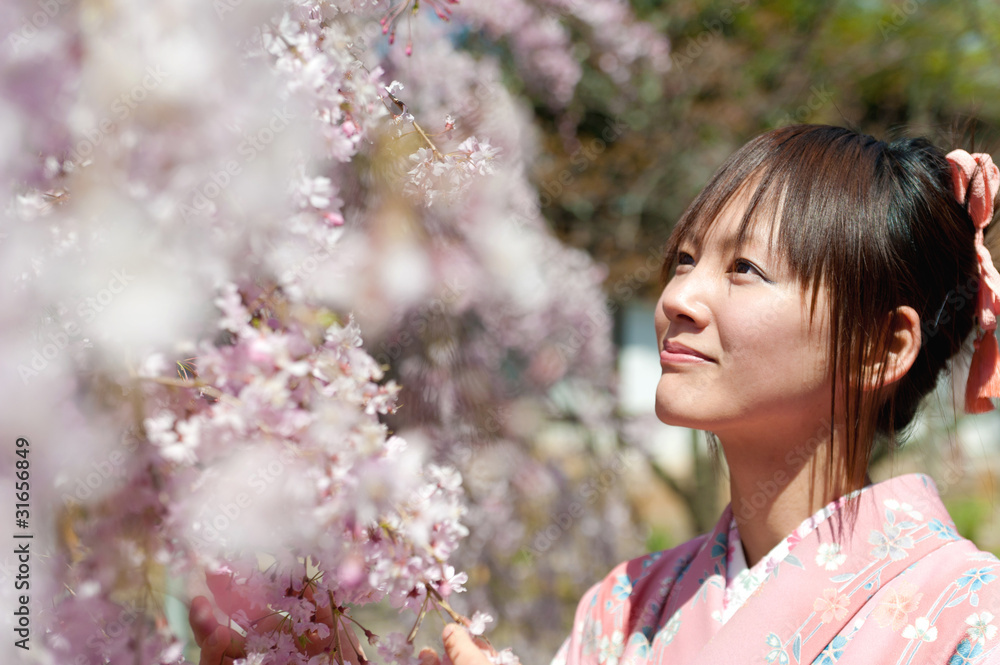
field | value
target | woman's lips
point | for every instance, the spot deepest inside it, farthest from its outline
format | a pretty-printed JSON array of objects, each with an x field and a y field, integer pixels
[{"x": 675, "y": 353}]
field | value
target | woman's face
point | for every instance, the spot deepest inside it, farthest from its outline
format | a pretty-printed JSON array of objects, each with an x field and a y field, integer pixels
[{"x": 737, "y": 351}]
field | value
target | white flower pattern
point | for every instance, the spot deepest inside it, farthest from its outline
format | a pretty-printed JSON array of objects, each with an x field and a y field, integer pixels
[
  {"x": 980, "y": 627},
  {"x": 611, "y": 649},
  {"x": 921, "y": 629},
  {"x": 830, "y": 557}
]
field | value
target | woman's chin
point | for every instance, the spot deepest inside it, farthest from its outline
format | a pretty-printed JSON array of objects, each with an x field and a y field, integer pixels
[{"x": 669, "y": 414}]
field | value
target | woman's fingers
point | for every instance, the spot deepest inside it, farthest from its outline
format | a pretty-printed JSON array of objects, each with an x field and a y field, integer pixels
[
  {"x": 460, "y": 648},
  {"x": 231, "y": 597},
  {"x": 219, "y": 644},
  {"x": 202, "y": 619},
  {"x": 428, "y": 656},
  {"x": 221, "y": 647}
]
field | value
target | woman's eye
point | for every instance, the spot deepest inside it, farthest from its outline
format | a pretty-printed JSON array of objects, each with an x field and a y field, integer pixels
[
  {"x": 684, "y": 259},
  {"x": 744, "y": 267}
]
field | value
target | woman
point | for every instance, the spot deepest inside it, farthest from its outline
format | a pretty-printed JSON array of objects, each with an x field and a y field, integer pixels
[{"x": 814, "y": 292}]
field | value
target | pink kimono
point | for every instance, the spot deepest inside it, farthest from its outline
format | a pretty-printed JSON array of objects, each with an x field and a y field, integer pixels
[{"x": 902, "y": 587}]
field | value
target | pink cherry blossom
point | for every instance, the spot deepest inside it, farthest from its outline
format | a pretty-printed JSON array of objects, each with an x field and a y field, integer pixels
[{"x": 264, "y": 359}]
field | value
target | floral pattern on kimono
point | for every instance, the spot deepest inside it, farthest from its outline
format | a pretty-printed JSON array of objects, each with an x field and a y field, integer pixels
[{"x": 900, "y": 587}]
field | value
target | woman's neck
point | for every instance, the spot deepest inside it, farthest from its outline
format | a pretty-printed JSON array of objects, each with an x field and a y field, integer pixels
[{"x": 774, "y": 487}]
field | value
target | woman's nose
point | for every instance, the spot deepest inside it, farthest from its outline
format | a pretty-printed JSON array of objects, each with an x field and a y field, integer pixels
[{"x": 684, "y": 300}]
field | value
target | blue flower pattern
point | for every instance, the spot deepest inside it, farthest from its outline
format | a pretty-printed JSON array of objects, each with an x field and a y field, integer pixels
[
  {"x": 966, "y": 652},
  {"x": 977, "y": 577},
  {"x": 720, "y": 546},
  {"x": 623, "y": 588},
  {"x": 777, "y": 654},
  {"x": 641, "y": 644},
  {"x": 831, "y": 654},
  {"x": 942, "y": 530}
]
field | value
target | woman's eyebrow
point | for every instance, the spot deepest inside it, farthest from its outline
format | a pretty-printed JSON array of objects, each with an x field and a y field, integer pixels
[{"x": 752, "y": 241}]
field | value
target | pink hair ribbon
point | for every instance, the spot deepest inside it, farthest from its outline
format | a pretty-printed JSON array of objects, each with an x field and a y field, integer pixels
[{"x": 975, "y": 179}]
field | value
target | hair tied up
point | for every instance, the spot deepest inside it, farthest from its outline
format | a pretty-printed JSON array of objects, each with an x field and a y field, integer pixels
[{"x": 975, "y": 181}]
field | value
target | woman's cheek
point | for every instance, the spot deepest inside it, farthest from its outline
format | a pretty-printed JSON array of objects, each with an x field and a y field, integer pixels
[
  {"x": 767, "y": 313},
  {"x": 763, "y": 323}
]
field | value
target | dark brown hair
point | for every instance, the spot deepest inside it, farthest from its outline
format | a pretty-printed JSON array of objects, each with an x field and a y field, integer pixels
[{"x": 877, "y": 225}]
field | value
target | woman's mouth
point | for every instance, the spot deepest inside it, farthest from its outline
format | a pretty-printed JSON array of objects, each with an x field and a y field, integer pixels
[{"x": 675, "y": 353}]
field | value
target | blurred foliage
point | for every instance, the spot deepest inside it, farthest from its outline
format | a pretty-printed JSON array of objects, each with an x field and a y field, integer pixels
[
  {"x": 741, "y": 68},
  {"x": 969, "y": 512}
]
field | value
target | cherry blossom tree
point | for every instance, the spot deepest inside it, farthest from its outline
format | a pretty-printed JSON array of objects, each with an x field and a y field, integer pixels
[{"x": 284, "y": 322}]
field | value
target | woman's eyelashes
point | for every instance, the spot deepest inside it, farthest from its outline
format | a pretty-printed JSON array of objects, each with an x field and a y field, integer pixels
[
  {"x": 739, "y": 266},
  {"x": 745, "y": 267}
]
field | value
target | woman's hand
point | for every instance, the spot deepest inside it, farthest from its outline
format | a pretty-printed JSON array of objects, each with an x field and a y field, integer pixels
[
  {"x": 459, "y": 647},
  {"x": 221, "y": 645}
]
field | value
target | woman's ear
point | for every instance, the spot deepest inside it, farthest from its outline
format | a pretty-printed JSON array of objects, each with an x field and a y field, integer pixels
[{"x": 903, "y": 344}]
